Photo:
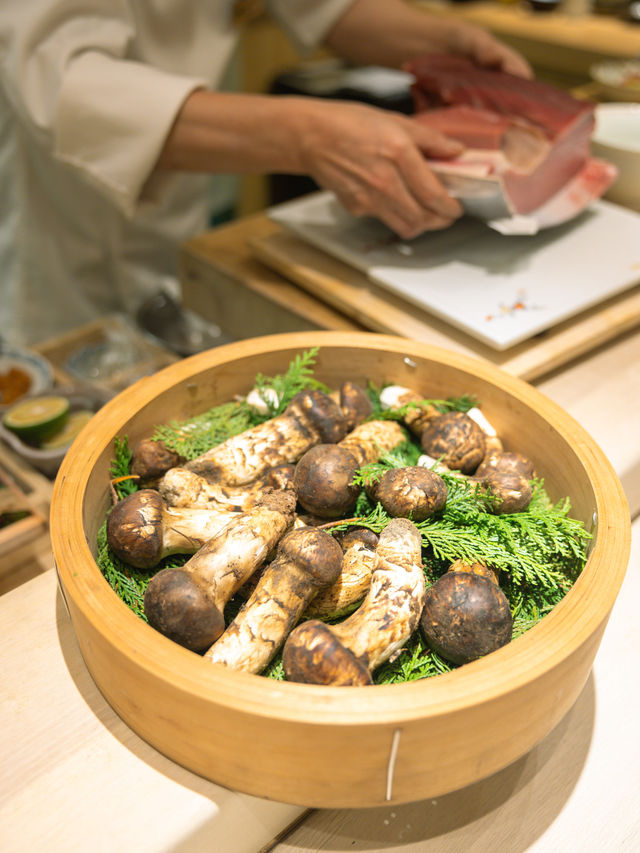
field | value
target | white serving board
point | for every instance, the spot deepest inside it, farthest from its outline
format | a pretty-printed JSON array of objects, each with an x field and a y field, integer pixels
[{"x": 499, "y": 289}]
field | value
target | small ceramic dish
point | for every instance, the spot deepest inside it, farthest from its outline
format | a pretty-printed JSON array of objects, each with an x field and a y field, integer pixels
[
  {"x": 48, "y": 461},
  {"x": 38, "y": 371}
]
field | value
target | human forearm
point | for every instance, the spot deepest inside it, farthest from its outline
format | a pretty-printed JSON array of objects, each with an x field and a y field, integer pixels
[{"x": 372, "y": 159}]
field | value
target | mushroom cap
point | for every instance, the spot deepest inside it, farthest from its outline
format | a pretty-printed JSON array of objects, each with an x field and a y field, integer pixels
[
  {"x": 134, "y": 529},
  {"x": 314, "y": 551},
  {"x": 507, "y": 461},
  {"x": 178, "y": 607},
  {"x": 475, "y": 568},
  {"x": 457, "y": 438},
  {"x": 355, "y": 534},
  {"x": 151, "y": 459},
  {"x": 322, "y": 481},
  {"x": 312, "y": 654},
  {"x": 412, "y": 492},
  {"x": 323, "y": 412},
  {"x": 511, "y": 489},
  {"x": 355, "y": 404},
  {"x": 465, "y": 617},
  {"x": 280, "y": 477}
]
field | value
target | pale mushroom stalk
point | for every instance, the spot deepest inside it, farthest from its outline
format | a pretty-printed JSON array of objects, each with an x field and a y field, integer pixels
[
  {"x": 312, "y": 417},
  {"x": 358, "y": 562},
  {"x": 187, "y": 604},
  {"x": 181, "y": 487},
  {"x": 307, "y": 561},
  {"x": 347, "y": 654},
  {"x": 142, "y": 530}
]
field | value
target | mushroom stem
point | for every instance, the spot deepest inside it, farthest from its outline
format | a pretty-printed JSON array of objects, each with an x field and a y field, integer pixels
[
  {"x": 308, "y": 560},
  {"x": 187, "y": 604},
  {"x": 347, "y": 653},
  {"x": 312, "y": 417},
  {"x": 181, "y": 487},
  {"x": 142, "y": 530}
]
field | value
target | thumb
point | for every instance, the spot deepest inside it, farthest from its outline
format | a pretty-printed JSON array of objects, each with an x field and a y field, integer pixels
[{"x": 433, "y": 143}]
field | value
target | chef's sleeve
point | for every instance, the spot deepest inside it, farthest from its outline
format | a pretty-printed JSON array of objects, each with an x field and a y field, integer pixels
[
  {"x": 68, "y": 75},
  {"x": 307, "y": 22}
]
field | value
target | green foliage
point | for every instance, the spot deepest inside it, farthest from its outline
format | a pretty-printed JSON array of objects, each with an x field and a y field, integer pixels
[
  {"x": 194, "y": 437},
  {"x": 452, "y": 404},
  {"x": 120, "y": 467},
  {"x": 413, "y": 661},
  {"x": 298, "y": 377}
]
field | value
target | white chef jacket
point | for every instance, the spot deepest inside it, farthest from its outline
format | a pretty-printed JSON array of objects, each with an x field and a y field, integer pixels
[{"x": 90, "y": 90}]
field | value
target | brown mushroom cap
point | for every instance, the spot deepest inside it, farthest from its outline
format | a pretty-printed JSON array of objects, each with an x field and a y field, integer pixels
[
  {"x": 134, "y": 529},
  {"x": 358, "y": 534},
  {"x": 151, "y": 459},
  {"x": 465, "y": 617},
  {"x": 475, "y": 568},
  {"x": 322, "y": 481},
  {"x": 511, "y": 491},
  {"x": 457, "y": 438},
  {"x": 315, "y": 552},
  {"x": 507, "y": 461},
  {"x": 313, "y": 655},
  {"x": 413, "y": 492},
  {"x": 355, "y": 404},
  {"x": 179, "y": 608},
  {"x": 323, "y": 412}
]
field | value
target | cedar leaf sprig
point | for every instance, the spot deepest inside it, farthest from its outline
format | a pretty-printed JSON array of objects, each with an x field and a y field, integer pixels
[{"x": 277, "y": 391}]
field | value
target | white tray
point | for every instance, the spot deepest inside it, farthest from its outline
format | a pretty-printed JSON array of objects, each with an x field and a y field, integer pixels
[{"x": 501, "y": 290}]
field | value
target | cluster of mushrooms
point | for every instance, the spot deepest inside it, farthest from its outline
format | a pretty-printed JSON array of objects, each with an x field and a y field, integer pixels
[{"x": 255, "y": 514}]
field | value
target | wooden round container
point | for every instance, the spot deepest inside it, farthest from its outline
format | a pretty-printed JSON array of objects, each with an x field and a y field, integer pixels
[{"x": 341, "y": 746}]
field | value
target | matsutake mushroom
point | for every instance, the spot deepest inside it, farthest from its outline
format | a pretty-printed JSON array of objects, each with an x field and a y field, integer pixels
[
  {"x": 358, "y": 562},
  {"x": 510, "y": 491},
  {"x": 457, "y": 439},
  {"x": 324, "y": 475},
  {"x": 347, "y": 653},
  {"x": 418, "y": 416},
  {"x": 142, "y": 530},
  {"x": 465, "y": 617},
  {"x": 308, "y": 560},
  {"x": 311, "y": 418},
  {"x": 355, "y": 404},
  {"x": 187, "y": 604},
  {"x": 413, "y": 492},
  {"x": 150, "y": 459},
  {"x": 181, "y": 487},
  {"x": 507, "y": 461}
]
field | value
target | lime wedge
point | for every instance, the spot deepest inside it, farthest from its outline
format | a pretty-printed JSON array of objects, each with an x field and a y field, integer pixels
[
  {"x": 38, "y": 418},
  {"x": 63, "y": 437}
]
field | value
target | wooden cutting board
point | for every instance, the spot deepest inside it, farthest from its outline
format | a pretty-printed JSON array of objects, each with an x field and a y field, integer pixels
[{"x": 351, "y": 292}]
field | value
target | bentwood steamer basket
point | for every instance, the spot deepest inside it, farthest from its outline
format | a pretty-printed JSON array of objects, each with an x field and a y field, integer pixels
[{"x": 341, "y": 746}]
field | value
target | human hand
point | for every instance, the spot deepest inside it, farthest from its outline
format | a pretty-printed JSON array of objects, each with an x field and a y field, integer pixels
[
  {"x": 374, "y": 161},
  {"x": 481, "y": 47}
]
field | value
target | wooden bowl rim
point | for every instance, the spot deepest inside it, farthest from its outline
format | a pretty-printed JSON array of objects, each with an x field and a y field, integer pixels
[{"x": 584, "y": 608}]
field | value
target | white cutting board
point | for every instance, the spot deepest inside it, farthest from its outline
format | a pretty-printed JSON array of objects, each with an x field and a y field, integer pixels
[{"x": 501, "y": 290}]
